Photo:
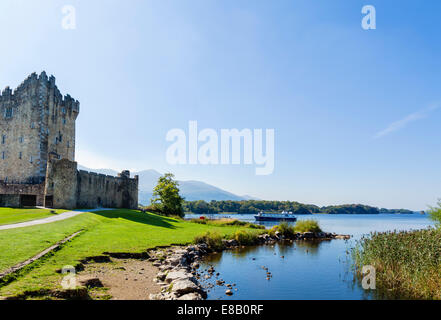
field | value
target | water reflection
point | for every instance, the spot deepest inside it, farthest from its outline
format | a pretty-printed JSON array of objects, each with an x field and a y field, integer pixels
[{"x": 303, "y": 269}]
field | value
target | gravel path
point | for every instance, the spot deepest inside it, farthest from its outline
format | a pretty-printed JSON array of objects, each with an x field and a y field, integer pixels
[{"x": 58, "y": 217}]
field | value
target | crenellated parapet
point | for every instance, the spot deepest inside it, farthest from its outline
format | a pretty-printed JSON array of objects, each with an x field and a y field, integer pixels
[{"x": 41, "y": 88}]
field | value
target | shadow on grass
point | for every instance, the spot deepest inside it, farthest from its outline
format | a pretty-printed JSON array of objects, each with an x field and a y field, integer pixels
[{"x": 138, "y": 217}]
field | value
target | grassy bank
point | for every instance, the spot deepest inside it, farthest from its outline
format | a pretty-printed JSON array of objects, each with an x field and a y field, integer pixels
[
  {"x": 408, "y": 264},
  {"x": 108, "y": 231},
  {"x": 11, "y": 215}
]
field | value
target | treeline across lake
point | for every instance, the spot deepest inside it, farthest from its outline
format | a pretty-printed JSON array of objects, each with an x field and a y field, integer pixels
[{"x": 256, "y": 206}]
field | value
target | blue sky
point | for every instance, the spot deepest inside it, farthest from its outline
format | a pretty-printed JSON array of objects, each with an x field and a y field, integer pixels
[{"x": 356, "y": 112}]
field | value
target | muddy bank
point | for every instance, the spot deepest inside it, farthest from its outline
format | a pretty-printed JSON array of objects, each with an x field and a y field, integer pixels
[{"x": 125, "y": 279}]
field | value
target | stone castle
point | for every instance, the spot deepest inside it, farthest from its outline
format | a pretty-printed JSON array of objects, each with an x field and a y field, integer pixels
[{"x": 37, "y": 153}]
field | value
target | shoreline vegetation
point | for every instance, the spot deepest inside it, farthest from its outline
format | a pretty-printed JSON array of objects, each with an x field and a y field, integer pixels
[
  {"x": 202, "y": 207},
  {"x": 407, "y": 263}
]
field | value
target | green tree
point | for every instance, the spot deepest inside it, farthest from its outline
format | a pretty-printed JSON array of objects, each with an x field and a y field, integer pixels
[
  {"x": 435, "y": 214},
  {"x": 166, "y": 197}
]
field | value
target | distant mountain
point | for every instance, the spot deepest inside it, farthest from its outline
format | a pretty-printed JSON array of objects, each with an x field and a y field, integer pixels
[
  {"x": 197, "y": 190},
  {"x": 191, "y": 190}
]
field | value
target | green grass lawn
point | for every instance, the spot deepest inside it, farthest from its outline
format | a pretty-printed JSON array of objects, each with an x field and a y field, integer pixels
[
  {"x": 11, "y": 216},
  {"x": 106, "y": 231}
]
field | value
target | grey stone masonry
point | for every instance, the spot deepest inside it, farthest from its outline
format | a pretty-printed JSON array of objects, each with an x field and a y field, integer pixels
[
  {"x": 36, "y": 123},
  {"x": 37, "y": 153}
]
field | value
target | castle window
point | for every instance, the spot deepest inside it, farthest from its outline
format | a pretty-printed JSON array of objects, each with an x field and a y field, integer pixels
[
  {"x": 64, "y": 121},
  {"x": 21, "y": 139},
  {"x": 3, "y": 155},
  {"x": 3, "y": 139},
  {"x": 63, "y": 110},
  {"x": 31, "y": 160},
  {"x": 8, "y": 113},
  {"x": 20, "y": 155},
  {"x": 32, "y": 125}
]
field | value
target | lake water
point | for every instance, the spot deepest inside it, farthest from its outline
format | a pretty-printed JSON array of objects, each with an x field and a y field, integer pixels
[{"x": 308, "y": 269}]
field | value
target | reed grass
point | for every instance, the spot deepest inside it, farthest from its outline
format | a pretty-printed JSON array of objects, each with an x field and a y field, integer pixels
[
  {"x": 213, "y": 240},
  {"x": 307, "y": 226},
  {"x": 407, "y": 263},
  {"x": 284, "y": 228}
]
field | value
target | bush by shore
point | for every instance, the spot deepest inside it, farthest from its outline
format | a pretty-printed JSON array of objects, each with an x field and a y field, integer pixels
[{"x": 301, "y": 226}]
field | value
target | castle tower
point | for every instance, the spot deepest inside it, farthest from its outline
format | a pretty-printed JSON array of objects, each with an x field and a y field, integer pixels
[
  {"x": 36, "y": 124},
  {"x": 37, "y": 153}
]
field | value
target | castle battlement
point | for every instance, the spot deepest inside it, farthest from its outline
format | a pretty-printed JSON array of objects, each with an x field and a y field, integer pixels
[{"x": 39, "y": 86}]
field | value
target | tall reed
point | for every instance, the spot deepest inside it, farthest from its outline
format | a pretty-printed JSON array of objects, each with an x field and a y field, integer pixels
[{"x": 407, "y": 263}]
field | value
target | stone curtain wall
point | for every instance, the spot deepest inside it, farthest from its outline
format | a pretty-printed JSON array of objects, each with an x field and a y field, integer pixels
[
  {"x": 36, "y": 123},
  {"x": 71, "y": 188},
  {"x": 99, "y": 190}
]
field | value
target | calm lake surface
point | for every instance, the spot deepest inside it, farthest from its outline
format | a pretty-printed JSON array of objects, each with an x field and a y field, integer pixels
[{"x": 309, "y": 270}]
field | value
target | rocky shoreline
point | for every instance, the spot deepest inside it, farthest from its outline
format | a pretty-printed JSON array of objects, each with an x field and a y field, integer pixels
[{"x": 180, "y": 277}]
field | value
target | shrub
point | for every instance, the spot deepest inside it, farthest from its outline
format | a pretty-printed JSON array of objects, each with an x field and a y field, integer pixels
[
  {"x": 307, "y": 226},
  {"x": 273, "y": 230},
  {"x": 212, "y": 239},
  {"x": 284, "y": 228},
  {"x": 245, "y": 238}
]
